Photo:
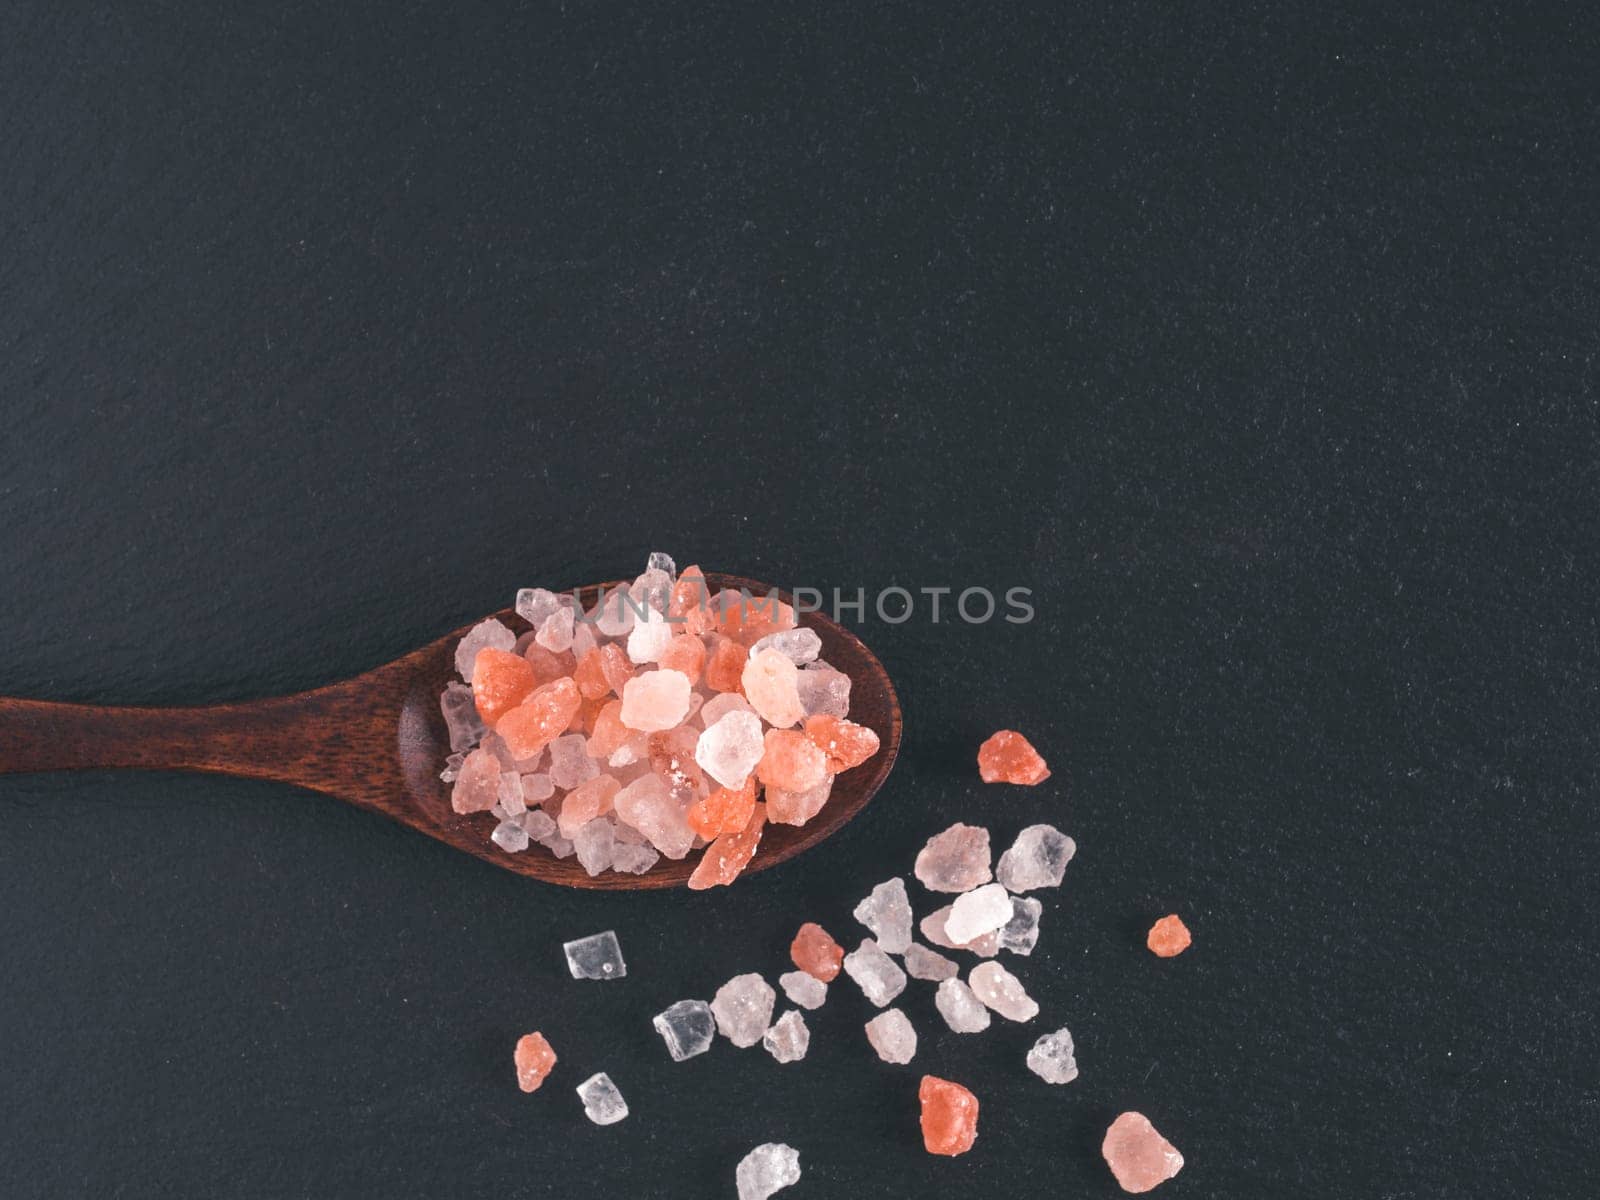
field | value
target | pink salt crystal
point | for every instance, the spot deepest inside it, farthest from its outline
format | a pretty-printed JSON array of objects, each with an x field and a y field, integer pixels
[
  {"x": 949, "y": 1116},
  {"x": 844, "y": 742},
  {"x": 688, "y": 602},
  {"x": 769, "y": 683},
  {"x": 477, "y": 783},
  {"x": 796, "y": 808},
  {"x": 729, "y": 854},
  {"x": 672, "y": 757},
  {"x": 547, "y": 667},
  {"x": 501, "y": 680},
  {"x": 719, "y": 706},
  {"x": 790, "y": 761},
  {"x": 586, "y": 802},
  {"x": 485, "y": 633},
  {"x": 725, "y": 666},
  {"x": 725, "y": 810},
  {"x": 1007, "y": 757},
  {"x": 1138, "y": 1156},
  {"x": 686, "y": 653},
  {"x": 556, "y": 632},
  {"x": 816, "y": 953},
  {"x": 534, "y": 1059},
  {"x": 614, "y": 665},
  {"x": 616, "y": 612},
  {"x": 590, "y": 678},
  {"x": 655, "y": 701},
  {"x": 534, "y": 723},
  {"x": 748, "y": 619},
  {"x": 646, "y": 806}
]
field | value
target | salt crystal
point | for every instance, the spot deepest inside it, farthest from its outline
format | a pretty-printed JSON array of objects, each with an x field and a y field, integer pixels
[
  {"x": 933, "y": 928},
  {"x": 602, "y": 1103},
  {"x": 594, "y": 844},
  {"x": 596, "y": 957},
  {"x": 570, "y": 763},
  {"x": 821, "y": 689},
  {"x": 892, "y": 1036},
  {"x": 661, "y": 561},
  {"x": 768, "y": 1168},
  {"x": 770, "y": 683},
  {"x": 803, "y": 989},
  {"x": 1020, "y": 934},
  {"x": 949, "y": 1116},
  {"x": 922, "y": 963},
  {"x": 583, "y": 641},
  {"x": 510, "y": 836},
  {"x": 788, "y": 1039},
  {"x": 978, "y": 912},
  {"x": 633, "y": 859},
  {"x": 877, "y": 975},
  {"x": 743, "y": 1008},
  {"x": 539, "y": 824},
  {"x": 796, "y": 808},
  {"x": 797, "y": 645},
  {"x": 956, "y": 860},
  {"x": 489, "y": 633},
  {"x": 720, "y": 705},
  {"x": 655, "y": 700},
  {"x": 537, "y": 787},
  {"x": 477, "y": 786},
  {"x": 687, "y": 1028},
  {"x": 651, "y": 591},
  {"x": 815, "y": 952},
  {"x": 510, "y": 795},
  {"x": 646, "y": 805},
  {"x": 791, "y": 762},
  {"x": 534, "y": 605},
  {"x": 961, "y": 1010},
  {"x": 1002, "y": 991},
  {"x": 586, "y": 802},
  {"x": 1051, "y": 1058},
  {"x": 1168, "y": 937},
  {"x": 1037, "y": 859},
  {"x": 651, "y": 634},
  {"x": 730, "y": 749},
  {"x": 1008, "y": 757},
  {"x": 461, "y": 719},
  {"x": 534, "y": 1059},
  {"x": 452, "y": 767},
  {"x": 887, "y": 912},
  {"x": 555, "y": 634},
  {"x": 1138, "y": 1156}
]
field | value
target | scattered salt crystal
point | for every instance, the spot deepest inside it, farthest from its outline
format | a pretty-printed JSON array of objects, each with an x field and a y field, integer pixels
[
  {"x": 978, "y": 912},
  {"x": 687, "y": 1028},
  {"x": 961, "y": 1010},
  {"x": 730, "y": 749},
  {"x": 1037, "y": 859},
  {"x": 1020, "y": 934},
  {"x": 956, "y": 860},
  {"x": 633, "y": 859},
  {"x": 1138, "y": 1156},
  {"x": 570, "y": 763},
  {"x": 460, "y": 710},
  {"x": 481, "y": 636},
  {"x": 661, "y": 561},
  {"x": 534, "y": 605},
  {"x": 510, "y": 836},
  {"x": 768, "y": 1168},
  {"x": 596, "y": 957},
  {"x": 821, "y": 689},
  {"x": 534, "y": 1059},
  {"x": 1051, "y": 1058},
  {"x": 887, "y": 912},
  {"x": 743, "y": 1008},
  {"x": 877, "y": 975},
  {"x": 1002, "y": 991},
  {"x": 804, "y": 989},
  {"x": 1168, "y": 937},
  {"x": 594, "y": 844},
  {"x": 770, "y": 683},
  {"x": 933, "y": 928},
  {"x": 788, "y": 1039},
  {"x": 646, "y": 805},
  {"x": 922, "y": 963},
  {"x": 537, "y": 787},
  {"x": 1008, "y": 757},
  {"x": 797, "y": 645},
  {"x": 556, "y": 633},
  {"x": 510, "y": 795},
  {"x": 892, "y": 1036},
  {"x": 602, "y": 1103},
  {"x": 655, "y": 700}
]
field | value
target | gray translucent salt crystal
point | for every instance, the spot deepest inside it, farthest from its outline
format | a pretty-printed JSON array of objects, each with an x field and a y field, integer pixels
[
  {"x": 877, "y": 975},
  {"x": 647, "y": 805},
  {"x": 1020, "y": 934},
  {"x": 730, "y": 748},
  {"x": 1037, "y": 859},
  {"x": 602, "y": 1103},
  {"x": 461, "y": 719},
  {"x": 539, "y": 824},
  {"x": 510, "y": 794},
  {"x": 788, "y": 1039},
  {"x": 797, "y": 645},
  {"x": 956, "y": 860},
  {"x": 887, "y": 912},
  {"x": 933, "y": 928},
  {"x": 482, "y": 636},
  {"x": 583, "y": 640},
  {"x": 649, "y": 637},
  {"x": 632, "y": 858},
  {"x": 555, "y": 634},
  {"x": 559, "y": 846},
  {"x": 477, "y": 785},
  {"x": 720, "y": 705},
  {"x": 1002, "y": 991},
  {"x": 452, "y": 767},
  {"x": 892, "y": 1036},
  {"x": 536, "y": 787},
  {"x": 975, "y": 913},
  {"x": 922, "y": 963},
  {"x": 596, "y": 957},
  {"x": 661, "y": 561},
  {"x": 743, "y": 1008},
  {"x": 961, "y": 1010},
  {"x": 615, "y": 613},
  {"x": 651, "y": 590},
  {"x": 535, "y": 605},
  {"x": 803, "y": 989},
  {"x": 1051, "y": 1058},
  {"x": 594, "y": 844},
  {"x": 570, "y": 763},
  {"x": 687, "y": 1028},
  {"x": 510, "y": 836},
  {"x": 823, "y": 690},
  {"x": 767, "y": 1169}
]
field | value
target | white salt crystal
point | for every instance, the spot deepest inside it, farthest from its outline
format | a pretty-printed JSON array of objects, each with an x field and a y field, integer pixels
[
  {"x": 482, "y": 636},
  {"x": 720, "y": 704},
  {"x": 594, "y": 844},
  {"x": 1020, "y": 934},
  {"x": 978, "y": 912},
  {"x": 633, "y": 859},
  {"x": 570, "y": 763},
  {"x": 534, "y": 605},
  {"x": 730, "y": 749},
  {"x": 602, "y": 1103},
  {"x": 461, "y": 719},
  {"x": 556, "y": 633},
  {"x": 887, "y": 912},
  {"x": 687, "y": 1028},
  {"x": 1002, "y": 991},
  {"x": 961, "y": 1010},
  {"x": 797, "y": 645},
  {"x": 452, "y": 767},
  {"x": 537, "y": 787},
  {"x": 1051, "y": 1058},
  {"x": 646, "y": 805},
  {"x": 651, "y": 590},
  {"x": 1037, "y": 859},
  {"x": 510, "y": 836},
  {"x": 922, "y": 963},
  {"x": 538, "y": 823},
  {"x": 788, "y": 1039},
  {"x": 655, "y": 700},
  {"x": 596, "y": 957},
  {"x": 582, "y": 639},
  {"x": 956, "y": 860},
  {"x": 510, "y": 795},
  {"x": 661, "y": 561},
  {"x": 933, "y": 928},
  {"x": 743, "y": 1008},
  {"x": 823, "y": 690},
  {"x": 877, "y": 975},
  {"x": 615, "y": 613},
  {"x": 768, "y": 1168},
  {"x": 650, "y": 636},
  {"x": 892, "y": 1036},
  {"x": 803, "y": 989}
]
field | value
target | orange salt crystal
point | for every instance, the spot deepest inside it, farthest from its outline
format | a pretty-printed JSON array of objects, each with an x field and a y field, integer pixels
[
  {"x": 1138, "y": 1156},
  {"x": 1169, "y": 937},
  {"x": 589, "y": 676},
  {"x": 588, "y": 712},
  {"x": 845, "y": 743},
  {"x": 501, "y": 680},
  {"x": 614, "y": 665},
  {"x": 529, "y": 728},
  {"x": 686, "y": 653},
  {"x": 534, "y": 1060},
  {"x": 590, "y": 799},
  {"x": 1007, "y": 757},
  {"x": 725, "y": 810},
  {"x": 949, "y": 1116},
  {"x": 609, "y": 732},
  {"x": 796, "y": 808},
  {"x": 791, "y": 761},
  {"x": 816, "y": 953},
  {"x": 724, "y": 858},
  {"x": 546, "y": 666},
  {"x": 688, "y": 602},
  {"x": 748, "y": 619},
  {"x": 725, "y": 667}
]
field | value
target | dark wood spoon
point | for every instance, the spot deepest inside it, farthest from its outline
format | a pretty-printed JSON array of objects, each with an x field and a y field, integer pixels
[{"x": 378, "y": 741}]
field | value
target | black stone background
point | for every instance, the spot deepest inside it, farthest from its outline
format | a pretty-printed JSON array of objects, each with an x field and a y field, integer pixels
[{"x": 1259, "y": 344}]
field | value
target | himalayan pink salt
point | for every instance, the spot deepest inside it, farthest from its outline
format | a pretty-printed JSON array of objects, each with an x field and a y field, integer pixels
[
  {"x": 650, "y": 636},
  {"x": 949, "y": 1116},
  {"x": 688, "y": 602},
  {"x": 769, "y": 683},
  {"x": 534, "y": 723},
  {"x": 845, "y": 743},
  {"x": 534, "y": 1059},
  {"x": 609, "y": 732},
  {"x": 725, "y": 810},
  {"x": 1007, "y": 757},
  {"x": 570, "y": 763},
  {"x": 685, "y": 653},
  {"x": 791, "y": 761},
  {"x": 547, "y": 667},
  {"x": 589, "y": 677},
  {"x": 729, "y": 854},
  {"x": 484, "y": 634},
  {"x": 655, "y": 701},
  {"x": 730, "y": 749},
  {"x": 501, "y": 680},
  {"x": 646, "y": 806},
  {"x": 1138, "y": 1156},
  {"x": 1169, "y": 937},
  {"x": 586, "y": 802},
  {"x": 816, "y": 953},
  {"x": 672, "y": 757},
  {"x": 748, "y": 619},
  {"x": 824, "y": 690},
  {"x": 714, "y": 709},
  {"x": 555, "y": 634},
  {"x": 614, "y": 665},
  {"x": 725, "y": 666},
  {"x": 477, "y": 786},
  {"x": 956, "y": 860},
  {"x": 796, "y": 808}
]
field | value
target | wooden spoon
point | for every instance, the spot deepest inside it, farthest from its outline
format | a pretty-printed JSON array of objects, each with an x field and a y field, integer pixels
[{"x": 378, "y": 741}]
